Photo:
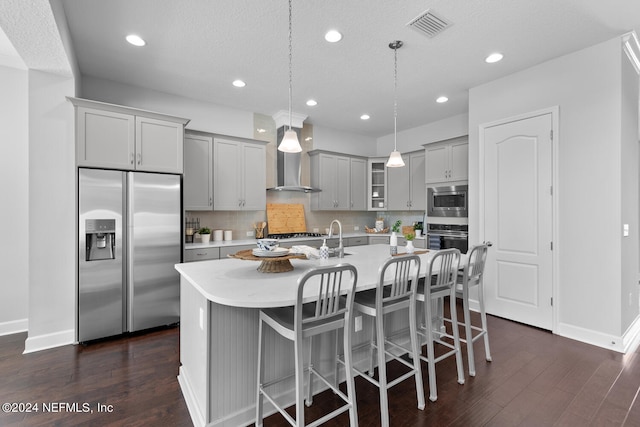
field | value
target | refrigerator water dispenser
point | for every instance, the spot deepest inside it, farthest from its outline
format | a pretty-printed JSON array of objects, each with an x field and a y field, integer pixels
[{"x": 101, "y": 239}]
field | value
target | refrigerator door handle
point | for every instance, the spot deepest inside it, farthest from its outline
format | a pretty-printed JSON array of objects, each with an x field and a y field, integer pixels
[{"x": 128, "y": 288}]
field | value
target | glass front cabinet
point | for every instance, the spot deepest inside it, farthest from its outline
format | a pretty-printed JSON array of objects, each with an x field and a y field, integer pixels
[{"x": 377, "y": 179}]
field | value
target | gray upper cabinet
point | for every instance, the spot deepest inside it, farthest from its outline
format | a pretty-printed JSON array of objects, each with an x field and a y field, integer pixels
[
  {"x": 447, "y": 161},
  {"x": 341, "y": 178},
  {"x": 118, "y": 137},
  {"x": 358, "y": 184},
  {"x": 198, "y": 172},
  {"x": 406, "y": 185},
  {"x": 239, "y": 175}
]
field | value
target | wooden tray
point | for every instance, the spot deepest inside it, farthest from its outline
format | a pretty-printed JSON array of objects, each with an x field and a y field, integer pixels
[
  {"x": 374, "y": 231},
  {"x": 269, "y": 265},
  {"x": 420, "y": 252}
]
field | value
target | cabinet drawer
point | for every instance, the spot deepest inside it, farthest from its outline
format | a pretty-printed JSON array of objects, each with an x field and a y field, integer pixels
[
  {"x": 230, "y": 250},
  {"x": 202, "y": 254},
  {"x": 378, "y": 240},
  {"x": 357, "y": 241},
  {"x": 420, "y": 243}
]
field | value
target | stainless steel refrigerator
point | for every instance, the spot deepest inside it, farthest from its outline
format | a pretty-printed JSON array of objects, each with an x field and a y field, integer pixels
[{"x": 129, "y": 229}]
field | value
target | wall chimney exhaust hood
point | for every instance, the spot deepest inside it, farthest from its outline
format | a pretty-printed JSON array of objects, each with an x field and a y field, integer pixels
[{"x": 288, "y": 169}]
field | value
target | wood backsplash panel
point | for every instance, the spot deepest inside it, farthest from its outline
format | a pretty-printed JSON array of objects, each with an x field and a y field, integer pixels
[{"x": 285, "y": 218}]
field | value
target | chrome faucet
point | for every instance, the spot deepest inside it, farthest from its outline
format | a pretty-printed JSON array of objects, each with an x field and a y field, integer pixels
[{"x": 340, "y": 248}]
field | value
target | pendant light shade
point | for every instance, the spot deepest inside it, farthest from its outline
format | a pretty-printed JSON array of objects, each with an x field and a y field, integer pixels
[
  {"x": 290, "y": 143},
  {"x": 395, "y": 158}
]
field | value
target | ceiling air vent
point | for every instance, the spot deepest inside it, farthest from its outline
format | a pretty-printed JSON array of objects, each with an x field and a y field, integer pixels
[{"x": 429, "y": 23}]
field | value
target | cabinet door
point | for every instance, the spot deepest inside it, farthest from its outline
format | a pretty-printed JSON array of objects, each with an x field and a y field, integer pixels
[
  {"x": 226, "y": 178},
  {"x": 198, "y": 175},
  {"x": 459, "y": 170},
  {"x": 398, "y": 181},
  {"x": 159, "y": 145},
  {"x": 343, "y": 185},
  {"x": 254, "y": 177},
  {"x": 105, "y": 139},
  {"x": 327, "y": 174},
  {"x": 437, "y": 163},
  {"x": 418, "y": 196},
  {"x": 358, "y": 185}
]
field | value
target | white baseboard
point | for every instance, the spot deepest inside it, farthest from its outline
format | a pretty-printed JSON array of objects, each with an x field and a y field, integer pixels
[
  {"x": 44, "y": 342},
  {"x": 608, "y": 341},
  {"x": 14, "y": 326},
  {"x": 197, "y": 417}
]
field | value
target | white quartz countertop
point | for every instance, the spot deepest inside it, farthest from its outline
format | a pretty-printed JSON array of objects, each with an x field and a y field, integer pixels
[
  {"x": 237, "y": 283},
  {"x": 249, "y": 241}
]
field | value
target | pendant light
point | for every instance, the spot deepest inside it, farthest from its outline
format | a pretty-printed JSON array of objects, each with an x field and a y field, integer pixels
[
  {"x": 395, "y": 159},
  {"x": 290, "y": 143}
]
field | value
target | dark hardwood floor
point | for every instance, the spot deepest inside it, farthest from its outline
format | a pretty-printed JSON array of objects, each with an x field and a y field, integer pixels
[{"x": 535, "y": 379}]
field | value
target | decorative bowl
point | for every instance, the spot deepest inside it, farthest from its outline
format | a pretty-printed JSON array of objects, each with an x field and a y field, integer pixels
[{"x": 267, "y": 244}]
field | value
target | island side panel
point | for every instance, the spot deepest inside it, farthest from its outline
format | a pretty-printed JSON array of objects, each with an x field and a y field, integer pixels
[
  {"x": 233, "y": 365},
  {"x": 194, "y": 351}
]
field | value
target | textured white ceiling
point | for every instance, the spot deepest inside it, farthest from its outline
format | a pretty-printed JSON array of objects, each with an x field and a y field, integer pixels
[{"x": 196, "y": 48}]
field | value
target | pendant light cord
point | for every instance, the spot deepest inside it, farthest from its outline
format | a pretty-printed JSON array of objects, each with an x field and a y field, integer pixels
[
  {"x": 395, "y": 98},
  {"x": 290, "y": 66}
]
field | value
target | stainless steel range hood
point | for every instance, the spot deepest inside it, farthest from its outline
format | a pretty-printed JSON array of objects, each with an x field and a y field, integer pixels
[{"x": 288, "y": 166}]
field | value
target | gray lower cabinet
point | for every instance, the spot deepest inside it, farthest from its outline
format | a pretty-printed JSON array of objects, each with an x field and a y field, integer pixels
[
  {"x": 378, "y": 240},
  {"x": 357, "y": 241},
  {"x": 203, "y": 254},
  {"x": 230, "y": 250}
]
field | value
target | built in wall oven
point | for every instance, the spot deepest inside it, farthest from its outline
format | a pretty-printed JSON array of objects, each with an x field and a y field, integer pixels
[
  {"x": 445, "y": 236},
  {"x": 450, "y": 201}
]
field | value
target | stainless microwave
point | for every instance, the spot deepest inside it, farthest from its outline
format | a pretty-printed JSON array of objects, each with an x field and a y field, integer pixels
[{"x": 451, "y": 201}]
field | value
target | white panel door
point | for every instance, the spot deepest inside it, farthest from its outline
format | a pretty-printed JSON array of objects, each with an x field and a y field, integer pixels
[
  {"x": 518, "y": 220},
  {"x": 254, "y": 170}
]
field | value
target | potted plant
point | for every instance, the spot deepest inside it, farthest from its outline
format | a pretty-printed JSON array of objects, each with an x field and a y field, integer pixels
[
  {"x": 409, "y": 237},
  {"x": 417, "y": 227},
  {"x": 393, "y": 240},
  {"x": 205, "y": 234}
]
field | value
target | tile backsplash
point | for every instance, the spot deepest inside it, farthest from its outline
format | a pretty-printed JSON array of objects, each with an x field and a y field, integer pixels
[{"x": 241, "y": 222}]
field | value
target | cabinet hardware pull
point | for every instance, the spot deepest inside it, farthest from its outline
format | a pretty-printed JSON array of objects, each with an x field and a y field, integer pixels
[
  {"x": 131, "y": 158},
  {"x": 139, "y": 158}
]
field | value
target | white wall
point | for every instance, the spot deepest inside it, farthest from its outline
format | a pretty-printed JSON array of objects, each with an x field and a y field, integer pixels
[
  {"x": 413, "y": 139},
  {"x": 343, "y": 142},
  {"x": 14, "y": 215},
  {"x": 586, "y": 87},
  {"x": 52, "y": 212},
  {"x": 204, "y": 116}
]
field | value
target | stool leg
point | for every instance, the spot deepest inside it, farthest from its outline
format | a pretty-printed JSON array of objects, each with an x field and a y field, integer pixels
[
  {"x": 260, "y": 376},
  {"x": 382, "y": 371},
  {"x": 299, "y": 374},
  {"x": 371, "y": 354},
  {"x": 431, "y": 365},
  {"x": 309, "y": 376},
  {"x": 416, "y": 354},
  {"x": 348, "y": 361},
  {"x": 483, "y": 316},
  {"x": 456, "y": 335},
  {"x": 468, "y": 332}
]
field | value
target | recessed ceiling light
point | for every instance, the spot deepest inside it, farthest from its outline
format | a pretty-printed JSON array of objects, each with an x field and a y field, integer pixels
[
  {"x": 239, "y": 83},
  {"x": 494, "y": 57},
  {"x": 364, "y": 117},
  {"x": 312, "y": 103},
  {"x": 333, "y": 36},
  {"x": 135, "y": 40},
  {"x": 442, "y": 99}
]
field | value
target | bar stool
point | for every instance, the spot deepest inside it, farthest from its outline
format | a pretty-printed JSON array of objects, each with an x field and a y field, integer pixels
[
  {"x": 324, "y": 303},
  {"x": 439, "y": 283},
  {"x": 393, "y": 294},
  {"x": 472, "y": 276}
]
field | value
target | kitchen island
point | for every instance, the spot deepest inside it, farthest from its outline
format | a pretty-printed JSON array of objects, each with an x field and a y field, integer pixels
[{"x": 219, "y": 305}]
